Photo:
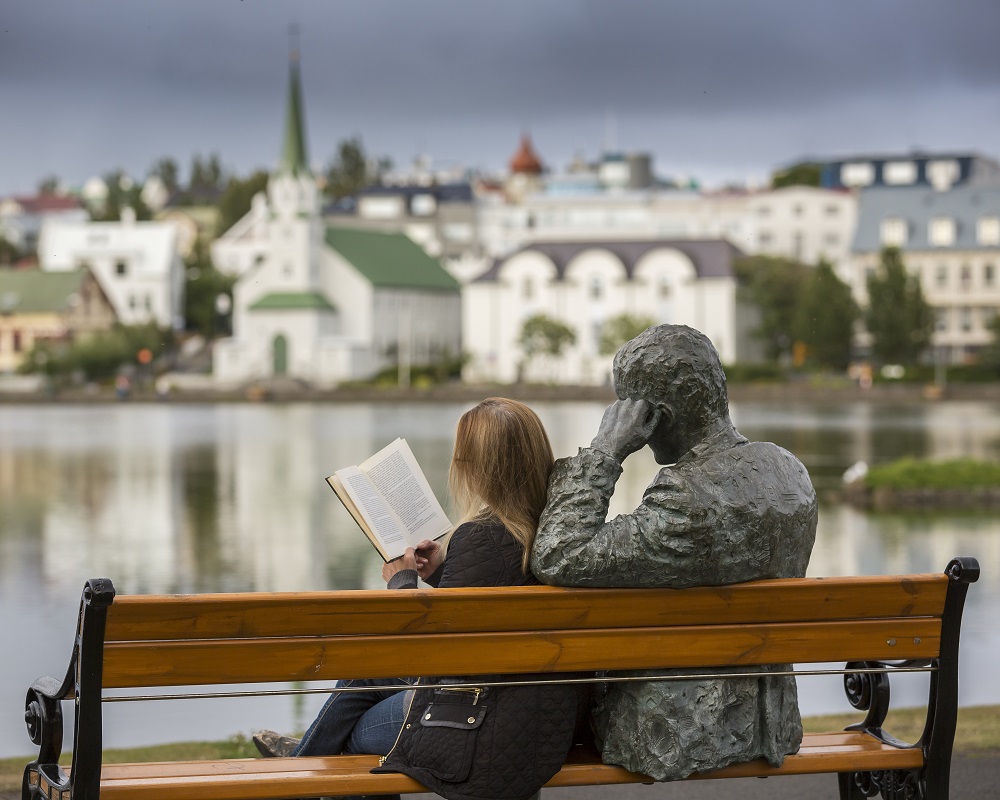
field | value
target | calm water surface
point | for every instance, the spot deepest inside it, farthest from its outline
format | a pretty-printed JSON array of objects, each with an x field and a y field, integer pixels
[{"x": 184, "y": 498}]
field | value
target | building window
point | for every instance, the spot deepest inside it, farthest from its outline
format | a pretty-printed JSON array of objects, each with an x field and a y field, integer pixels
[
  {"x": 16, "y": 339},
  {"x": 121, "y": 268},
  {"x": 941, "y": 276},
  {"x": 797, "y": 210},
  {"x": 988, "y": 230},
  {"x": 528, "y": 289},
  {"x": 965, "y": 317},
  {"x": 765, "y": 238},
  {"x": 664, "y": 288},
  {"x": 899, "y": 173},
  {"x": 965, "y": 278},
  {"x": 941, "y": 319},
  {"x": 797, "y": 247},
  {"x": 942, "y": 174},
  {"x": 858, "y": 174},
  {"x": 989, "y": 275},
  {"x": 832, "y": 210},
  {"x": 831, "y": 239},
  {"x": 764, "y": 211},
  {"x": 131, "y": 301},
  {"x": 941, "y": 232},
  {"x": 893, "y": 232},
  {"x": 149, "y": 302},
  {"x": 596, "y": 288}
]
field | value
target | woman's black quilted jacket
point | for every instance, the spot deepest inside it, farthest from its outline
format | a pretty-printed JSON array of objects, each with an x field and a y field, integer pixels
[{"x": 501, "y": 744}]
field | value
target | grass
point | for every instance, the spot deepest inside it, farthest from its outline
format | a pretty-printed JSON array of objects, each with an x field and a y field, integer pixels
[
  {"x": 914, "y": 473},
  {"x": 978, "y": 732}
]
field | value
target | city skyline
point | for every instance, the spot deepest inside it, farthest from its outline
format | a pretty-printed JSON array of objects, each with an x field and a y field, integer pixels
[{"x": 726, "y": 92}]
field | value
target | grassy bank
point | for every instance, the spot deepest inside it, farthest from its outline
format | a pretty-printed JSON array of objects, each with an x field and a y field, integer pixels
[{"x": 978, "y": 731}]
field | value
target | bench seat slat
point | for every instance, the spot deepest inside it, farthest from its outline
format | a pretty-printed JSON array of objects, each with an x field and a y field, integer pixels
[
  {"x": 235, "y": 615},
  {"x": 256, "y": 779},
  {"x": 208, "y": 662}
]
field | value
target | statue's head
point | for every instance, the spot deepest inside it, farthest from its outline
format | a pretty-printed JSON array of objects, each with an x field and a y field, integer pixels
[{"x": 677, "y": 369}]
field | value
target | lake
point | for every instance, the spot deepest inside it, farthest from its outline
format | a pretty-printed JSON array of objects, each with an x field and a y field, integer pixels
[{"x": 168, "y": 498}]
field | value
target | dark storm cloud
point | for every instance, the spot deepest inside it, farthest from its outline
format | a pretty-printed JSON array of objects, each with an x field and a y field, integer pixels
[{"x": 108, "y": 81}]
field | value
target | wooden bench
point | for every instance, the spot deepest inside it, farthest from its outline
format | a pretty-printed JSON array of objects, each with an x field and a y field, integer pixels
[{"x": 878, "y": 625}]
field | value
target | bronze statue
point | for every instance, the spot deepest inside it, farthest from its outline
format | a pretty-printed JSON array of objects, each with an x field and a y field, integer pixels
[{"x": 721, "y": 510}]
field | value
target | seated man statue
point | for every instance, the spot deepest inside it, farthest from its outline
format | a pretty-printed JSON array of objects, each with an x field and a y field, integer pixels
[{"x": 722, "y": 510}]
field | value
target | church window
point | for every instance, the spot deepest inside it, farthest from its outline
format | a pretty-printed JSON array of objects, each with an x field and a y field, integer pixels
[{"x": 121, "y": 268}]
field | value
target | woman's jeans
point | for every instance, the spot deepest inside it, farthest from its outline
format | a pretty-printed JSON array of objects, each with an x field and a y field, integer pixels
[{"x": 359, "y": 721}]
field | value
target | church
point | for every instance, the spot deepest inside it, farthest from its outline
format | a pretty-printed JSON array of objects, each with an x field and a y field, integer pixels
[{"x": 325, "y": 305}]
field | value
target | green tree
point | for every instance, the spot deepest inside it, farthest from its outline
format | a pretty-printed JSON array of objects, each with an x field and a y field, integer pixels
[
  {"x": 618, "y": 330},
  {"x": 122, "y": 193},
  {"x": 8, "y": 251},
  {"x": 206, "y": 175},
  {"x": 990, "y": 355},
  {"x": 204, "y": 284},
  {"x": 774, "y": 285},
  {"x": 100, "y": 356},
  {"x": 805, "y": 173},
  {"x": 349, "y": 171},
  {"x": 237, "y": 196},
  {"x": 48, "y": 185},
  {"x": 543, "y": 335},
  {"x": 167, "y": 171},
  {"x": 898, "y": 317},
  {"x": 825, "y": 318}
]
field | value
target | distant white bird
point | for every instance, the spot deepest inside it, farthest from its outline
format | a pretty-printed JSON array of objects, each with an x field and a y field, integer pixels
[{"x": 855, "y": 472}]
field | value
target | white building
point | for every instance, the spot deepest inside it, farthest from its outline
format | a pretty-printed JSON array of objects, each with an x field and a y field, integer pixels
[
  {"x": 137, "y": 265},
  {"x": 320, "y": 304},
  {"x": 951, "y": 241},
  {"x": 586, "y": 283},
  {"x": 21, "y": 218},
  {"x": 799, "y": 222}
]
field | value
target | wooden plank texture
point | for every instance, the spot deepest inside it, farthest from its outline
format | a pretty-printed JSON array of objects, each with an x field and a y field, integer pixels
[
  {"x": 206, "y": 662},
  {"x": 260, "y": 779},
  {"x": 247, "y": 615}
]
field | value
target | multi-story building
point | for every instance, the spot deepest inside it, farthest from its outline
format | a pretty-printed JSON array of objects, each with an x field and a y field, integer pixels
[
  {"x": 584, "y": 284},
  {"x": 951, "y": 241},
  {"x": 21, "y": 218},
  {"x": 939, "y": 171},
  {"x": 137, "y": 265}
]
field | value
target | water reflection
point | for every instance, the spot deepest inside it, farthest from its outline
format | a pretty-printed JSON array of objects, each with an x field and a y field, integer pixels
[{"x": 186, "y": 498}]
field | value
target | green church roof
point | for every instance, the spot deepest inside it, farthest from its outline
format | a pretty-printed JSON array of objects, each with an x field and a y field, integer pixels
[
  {"x": 294, "y": 159},
  {"x": 390, "y": 260},
  {"x": 285, "y": 301},
  {"x": 32, "y": 291}
]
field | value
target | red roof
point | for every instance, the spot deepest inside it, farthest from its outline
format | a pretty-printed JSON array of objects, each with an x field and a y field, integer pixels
[
  {"x": 42, "y": 203},
  {"x": 525, "y": 160}
]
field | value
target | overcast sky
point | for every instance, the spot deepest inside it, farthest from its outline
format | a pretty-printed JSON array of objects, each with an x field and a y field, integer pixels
[{"x": 715, "y": 89}]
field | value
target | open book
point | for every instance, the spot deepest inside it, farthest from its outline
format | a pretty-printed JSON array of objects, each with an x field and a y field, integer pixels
[{"x": 391, "y": 501}]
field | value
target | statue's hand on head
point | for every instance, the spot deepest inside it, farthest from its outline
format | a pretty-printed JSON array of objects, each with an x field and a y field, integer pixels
[{"x": 626, "y": 427}]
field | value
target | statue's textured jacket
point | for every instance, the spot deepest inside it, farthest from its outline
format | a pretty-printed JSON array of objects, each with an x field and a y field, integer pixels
[{"x": 728, "y": 511}]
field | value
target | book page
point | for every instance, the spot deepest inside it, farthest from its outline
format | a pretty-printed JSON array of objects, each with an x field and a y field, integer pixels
[
  {"x": 382, "y": 523},
  {"x": 397, "y": 476}
]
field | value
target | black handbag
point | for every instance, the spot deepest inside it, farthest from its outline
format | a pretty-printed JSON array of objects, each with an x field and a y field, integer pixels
[{"x": 496, "y": 742}]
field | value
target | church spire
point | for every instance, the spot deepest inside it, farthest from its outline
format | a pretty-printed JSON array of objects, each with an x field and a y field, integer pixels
[{"x": 294, "y": 159}]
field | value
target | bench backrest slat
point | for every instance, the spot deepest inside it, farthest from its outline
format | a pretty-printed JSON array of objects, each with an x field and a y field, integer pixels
[
  {"x": 203, "y": 662},
  {"x": 251, "y": 615}
]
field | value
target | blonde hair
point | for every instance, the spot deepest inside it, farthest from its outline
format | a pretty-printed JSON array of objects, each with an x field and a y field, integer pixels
[{"x": 501, "y": 468}]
